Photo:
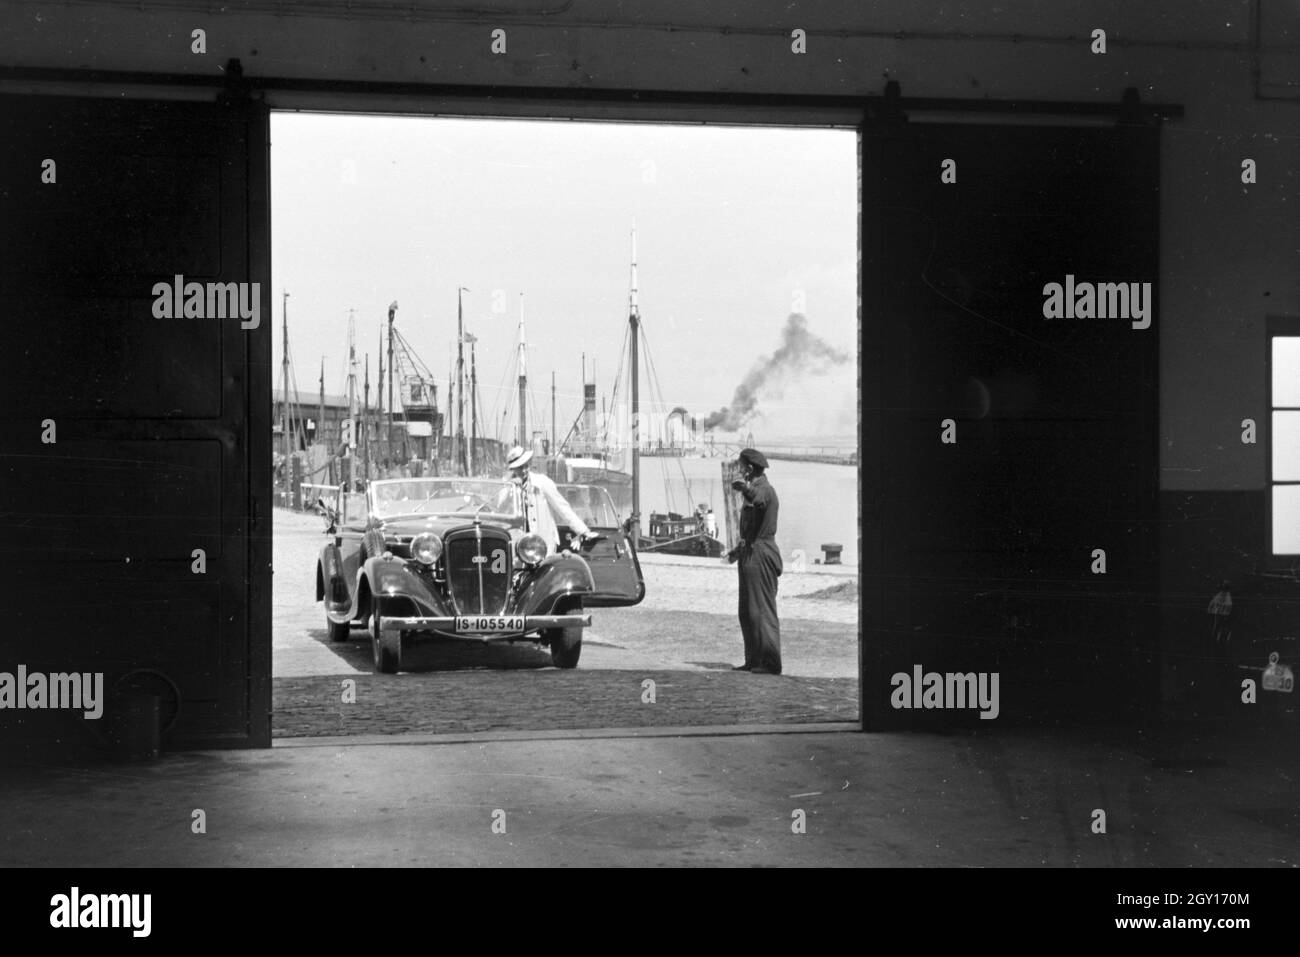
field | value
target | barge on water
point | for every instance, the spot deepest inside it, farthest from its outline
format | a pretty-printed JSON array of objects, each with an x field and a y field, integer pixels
[{"x": 674, "y": 534}]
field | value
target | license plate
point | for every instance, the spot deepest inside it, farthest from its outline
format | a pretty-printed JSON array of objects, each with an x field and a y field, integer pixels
[{"x": 485, "y": 624}]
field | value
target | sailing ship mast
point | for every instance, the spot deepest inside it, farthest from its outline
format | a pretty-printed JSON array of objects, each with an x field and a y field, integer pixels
[
  {"x": 388, "y": 436},
  {"x": 365, "y": 426},
  {"x": 379, "y": 396},
  {"x": 320, "y": 409},
  {"x": 473, "y": 402},
  {"x": 284, "y": 408},
  {"x": 634, "y": 320},
  {"x": 461, "y": 459},
  {"x": 352, "y": 400},
  {"x": 523, "y": 381}
]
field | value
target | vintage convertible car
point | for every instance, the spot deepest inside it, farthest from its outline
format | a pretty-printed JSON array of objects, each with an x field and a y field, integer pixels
[{"x": 448, "y": 558}]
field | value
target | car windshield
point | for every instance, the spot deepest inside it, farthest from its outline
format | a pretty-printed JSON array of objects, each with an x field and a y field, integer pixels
[
  {"x": 592, "y": 504},
  {"x": 444, "y": 496}
]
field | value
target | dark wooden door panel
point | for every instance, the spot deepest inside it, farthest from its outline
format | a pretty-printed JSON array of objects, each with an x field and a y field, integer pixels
[
  {"x": 115, "y": 359},
  {"x": 980, "y": 552},
  {"x": 133, "y": 540}
]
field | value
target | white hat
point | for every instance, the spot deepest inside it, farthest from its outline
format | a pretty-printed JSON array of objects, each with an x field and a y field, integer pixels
[{"x": 518, "y": 457}]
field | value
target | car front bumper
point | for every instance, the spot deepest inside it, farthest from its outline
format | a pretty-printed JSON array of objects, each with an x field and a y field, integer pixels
[{"x": 447, "y": 626}]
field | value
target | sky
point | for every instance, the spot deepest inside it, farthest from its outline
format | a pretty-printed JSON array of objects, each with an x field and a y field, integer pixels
[{"x": 737, "y": 228}]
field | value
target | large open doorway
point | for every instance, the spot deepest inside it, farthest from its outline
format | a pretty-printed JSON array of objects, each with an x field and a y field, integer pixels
[{"x": 451, "y": 288}]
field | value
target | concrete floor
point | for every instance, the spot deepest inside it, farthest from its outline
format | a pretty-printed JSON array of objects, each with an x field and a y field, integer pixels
[{"x": 998, "y": 798}]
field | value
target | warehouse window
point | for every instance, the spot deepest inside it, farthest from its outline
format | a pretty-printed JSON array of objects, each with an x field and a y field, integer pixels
[{"x": 1284, "y": 445}]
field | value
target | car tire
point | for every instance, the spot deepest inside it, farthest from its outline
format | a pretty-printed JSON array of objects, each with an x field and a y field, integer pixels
[
  {"x": 338, "y": 632},
  {"x": 387, "y": 645},
  {"x": 566, "y": 646}
]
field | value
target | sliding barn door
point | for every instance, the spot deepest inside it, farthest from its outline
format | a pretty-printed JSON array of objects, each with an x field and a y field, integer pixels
[
  {"x": 1010, "y": 460},
  {"x": 134, "y": 445}
]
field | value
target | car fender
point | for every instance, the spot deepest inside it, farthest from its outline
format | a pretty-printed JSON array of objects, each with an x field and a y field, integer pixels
[
  {"x": 557, "y": 577},
  {"x": 393, "y": 578}
]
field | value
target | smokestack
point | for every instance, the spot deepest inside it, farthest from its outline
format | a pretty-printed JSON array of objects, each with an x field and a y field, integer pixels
[{"x": 589, "y": 408}]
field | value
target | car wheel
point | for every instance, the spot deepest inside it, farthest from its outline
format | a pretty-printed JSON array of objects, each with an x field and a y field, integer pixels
[
  {"x": 566, "y": 646},
  {"x": 337, "y": 632},
  {"x": 387, "y": 645}
]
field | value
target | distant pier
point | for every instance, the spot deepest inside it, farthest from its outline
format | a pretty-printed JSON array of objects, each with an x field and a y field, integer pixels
[{"x": 824, "y": 454}]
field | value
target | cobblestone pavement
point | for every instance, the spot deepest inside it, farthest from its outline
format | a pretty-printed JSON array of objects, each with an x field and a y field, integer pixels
[
  {"x": 502, "y": 700},
  {"x": 684, "y": 636}
]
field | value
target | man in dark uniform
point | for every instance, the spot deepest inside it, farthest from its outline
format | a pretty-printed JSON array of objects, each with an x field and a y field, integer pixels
[{"x": 760, "y": 566}]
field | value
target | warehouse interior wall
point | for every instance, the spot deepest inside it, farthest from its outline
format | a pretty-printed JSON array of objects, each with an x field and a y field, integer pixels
[
  {"x": 1227, "y": 261},
  {"x": 1241, "y": 97}
]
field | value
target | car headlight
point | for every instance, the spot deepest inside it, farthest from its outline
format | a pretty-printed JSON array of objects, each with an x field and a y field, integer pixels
[
  {"x": 426, "y": 547},
  {"x": 531, "y": 549}
]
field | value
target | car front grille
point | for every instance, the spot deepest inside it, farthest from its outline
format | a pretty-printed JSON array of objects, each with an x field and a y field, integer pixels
[{"x": 479, "y": 565}]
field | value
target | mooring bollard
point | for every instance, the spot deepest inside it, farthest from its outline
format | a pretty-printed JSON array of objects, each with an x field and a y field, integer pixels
[{"x": 832, "y": 550}]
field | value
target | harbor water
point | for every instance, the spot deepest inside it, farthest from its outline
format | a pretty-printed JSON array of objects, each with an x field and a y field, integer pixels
[{"x": 819, "y": 502}]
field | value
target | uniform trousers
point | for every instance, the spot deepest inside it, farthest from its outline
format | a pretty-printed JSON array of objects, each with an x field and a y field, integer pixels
[{"x": 760, "y": 567}]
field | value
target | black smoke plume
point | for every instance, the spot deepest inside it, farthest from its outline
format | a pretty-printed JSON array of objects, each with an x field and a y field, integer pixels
[{"x": 801, "y": 353}]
